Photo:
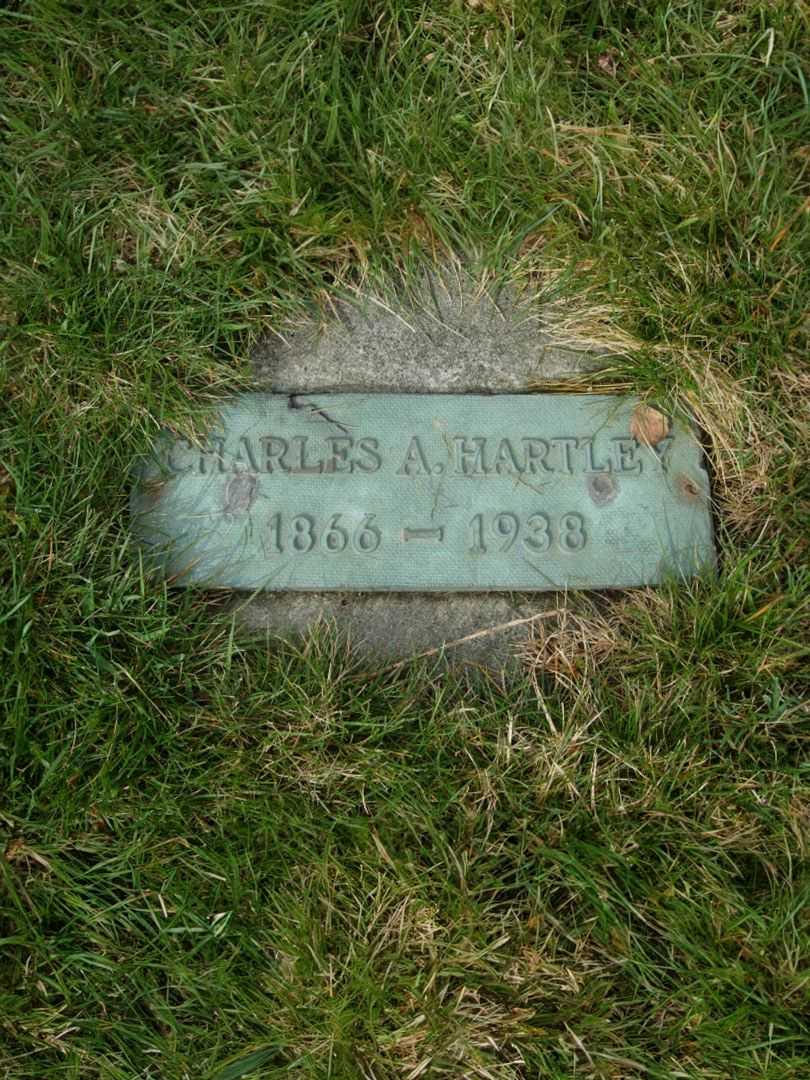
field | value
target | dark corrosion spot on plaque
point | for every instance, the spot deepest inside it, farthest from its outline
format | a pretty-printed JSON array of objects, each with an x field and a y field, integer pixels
[
  {"x": 602, "y": 488},
  {"x": 688, "y": 489},
  {"x": 240, "y": 493}
]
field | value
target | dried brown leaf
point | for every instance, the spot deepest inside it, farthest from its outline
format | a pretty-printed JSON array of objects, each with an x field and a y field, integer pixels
[
  {"x": 648, "y": 425},
  {"x": 608, "y": 62}
]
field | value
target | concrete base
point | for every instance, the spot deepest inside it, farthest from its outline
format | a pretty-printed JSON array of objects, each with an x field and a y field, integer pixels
[{"x": 466, "y": 628}]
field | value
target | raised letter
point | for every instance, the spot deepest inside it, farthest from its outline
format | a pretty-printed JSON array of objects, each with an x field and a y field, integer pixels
[
  {"x": 340, "y": 445},
  {"x": 565, "y": 444},
  {"x": 472, "y": 455},
  {"x": 217, "y": 448},
  {"x": 170, "y": 465},
  {"x": 414, "y": 460},
  {"x": 590, "y": 462},
  {"x": 624, "y": 453},
  {"x": 661, "y": 451},
  {"x": 369, "y": 448},
  {"x": 536, "y": 454},
  {"x": 274, "y": 450},
  {"x": 301, "y": 466},
  {"x": 249, "y": 458},
  {"x": 505, "y": 460}
]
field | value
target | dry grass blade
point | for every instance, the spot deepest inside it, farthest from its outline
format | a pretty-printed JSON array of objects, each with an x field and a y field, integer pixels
[{"x": 570, "y": 647}]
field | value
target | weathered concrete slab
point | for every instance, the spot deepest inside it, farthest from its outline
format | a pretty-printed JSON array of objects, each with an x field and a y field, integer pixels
[
  {"x": 452, "y": 337},
  {"x": 484, "y": 629},
  {"x": 426, "y": 492}
]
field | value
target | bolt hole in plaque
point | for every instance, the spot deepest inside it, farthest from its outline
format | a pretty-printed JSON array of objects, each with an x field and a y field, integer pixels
[{"x": 402, "y": 492}]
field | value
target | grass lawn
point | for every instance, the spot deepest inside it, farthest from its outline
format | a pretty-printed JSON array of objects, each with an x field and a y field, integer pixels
[{"x": 216, "y": 862}]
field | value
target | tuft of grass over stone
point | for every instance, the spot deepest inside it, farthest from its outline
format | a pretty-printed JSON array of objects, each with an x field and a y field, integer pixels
[{"x": 221, "y": 860}]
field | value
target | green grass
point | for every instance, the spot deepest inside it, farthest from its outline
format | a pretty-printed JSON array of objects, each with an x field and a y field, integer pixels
[{"x": 217, "y": 862}]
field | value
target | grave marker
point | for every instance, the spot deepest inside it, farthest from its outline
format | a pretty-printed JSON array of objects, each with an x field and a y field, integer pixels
[{"x": 426, "y": 493}]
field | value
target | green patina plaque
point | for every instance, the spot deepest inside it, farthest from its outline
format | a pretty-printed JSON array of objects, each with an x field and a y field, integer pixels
[{"x": 426, "y": 492}]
